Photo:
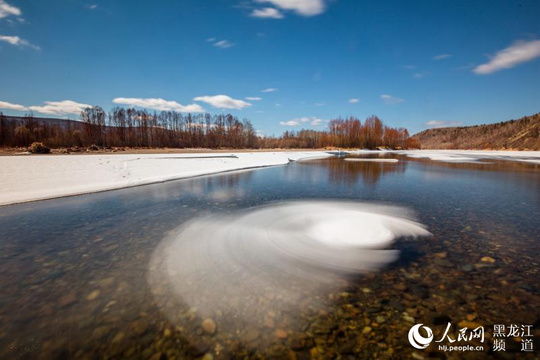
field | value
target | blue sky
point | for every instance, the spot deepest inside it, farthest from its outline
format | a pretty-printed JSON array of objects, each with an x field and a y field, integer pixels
[{"x": 415, "y": 64}]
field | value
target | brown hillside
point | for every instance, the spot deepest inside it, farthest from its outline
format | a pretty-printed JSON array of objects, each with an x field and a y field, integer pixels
[{"x": 522, "y": 134}]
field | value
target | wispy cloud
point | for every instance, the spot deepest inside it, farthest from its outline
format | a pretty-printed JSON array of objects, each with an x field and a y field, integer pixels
[
  {"x": 64, "y": 107},
  {"x": 253, "y": 98},
  {"x": 441, "y": 123},
  {"x": 441, "y": 57},
  {"x": 517, "y": 53},
  {"x": 319, "y": 104},
  {"x": 269, "y": 90},
  {"x": 8, "y": 10},
  {"x": 268, "y": 13},
  {"x": 391, "y": 100},
  {"x": 91, "y": 6},
  {"x": 9, "y": 106},
  {"x": 301, "y": 7},
  {"x": 17, "y": 41},
  {"x": 421, "y": 74},
  {"x": 354, "y": 101},
  {"x": 223, "y": 102},
  {"x": 159, "y": 104},
  {"x": 223, "y": 44}
]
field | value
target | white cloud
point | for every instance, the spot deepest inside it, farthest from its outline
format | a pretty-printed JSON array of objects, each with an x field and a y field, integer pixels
[
  {"x": 269, "y": 90},
  {"x": 211, "y": 39},
  {"x": 64, "y": 107},
  {"x": 301, "y": 7},
  {"x": 268, "y": 13},
  {"x": 289, "y": 123},
  {"x": 253, "y": 98},
  {"x": 353, "y": 101},
  {"x": 223, "y": 44},
  {"x": 8, "y": 10},
  {"x": 223, "y": 102},
  {"x": 313, "y": 121},
  {"x": 60, "y": 107},
  {"x": 391, "y": 100},
  {"x": 159, "y": 104},
  {"x": 441, "y": 57},
  {"x": 91, "y": 6},
  {"x": 316, "y": 122},
  {"x": 319, "y": 104},
  {"x": 17, "y": 41},
  {"x": 441, "y": 123},
  {"x": 517, "y": 53},
  {"x": 10, "y": 106}
]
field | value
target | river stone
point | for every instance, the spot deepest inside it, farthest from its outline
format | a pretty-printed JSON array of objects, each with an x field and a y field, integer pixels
[
  {"x": 209, "y": 326},
  {"x": 93, "y": 295}
]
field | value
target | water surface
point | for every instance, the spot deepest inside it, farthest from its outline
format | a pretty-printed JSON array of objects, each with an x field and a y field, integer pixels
[{"x": 77, "y": 281}]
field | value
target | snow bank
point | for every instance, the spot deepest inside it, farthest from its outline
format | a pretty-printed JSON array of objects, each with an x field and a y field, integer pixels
[
  {"x": 30, "y": 178},
  {"x": 460, "y": 156},
  {"x": 474, "y": 156},
  {"x": 372, "y": 160}
]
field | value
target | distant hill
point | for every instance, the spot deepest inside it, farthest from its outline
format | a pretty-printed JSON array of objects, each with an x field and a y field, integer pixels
[
  {"x": 63, "y": 123},
  {"x": 521, "y": 134}
]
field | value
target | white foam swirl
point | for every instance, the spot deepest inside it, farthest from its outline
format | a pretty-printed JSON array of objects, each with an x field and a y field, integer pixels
[{"x": 287, "y": 251}]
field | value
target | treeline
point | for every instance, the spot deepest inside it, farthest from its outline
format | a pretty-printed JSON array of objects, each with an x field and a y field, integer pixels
[
  {"x": 140, "y": 128},
  {"x": 347, "y": 133}
]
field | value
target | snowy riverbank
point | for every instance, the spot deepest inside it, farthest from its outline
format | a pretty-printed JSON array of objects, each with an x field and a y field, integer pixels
[
  {"x": 461, "y": 156},
  {"x": 30, "y": 178}
]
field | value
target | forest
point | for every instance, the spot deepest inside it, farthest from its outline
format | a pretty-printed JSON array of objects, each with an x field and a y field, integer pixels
[{"x": 169, "y": 129}]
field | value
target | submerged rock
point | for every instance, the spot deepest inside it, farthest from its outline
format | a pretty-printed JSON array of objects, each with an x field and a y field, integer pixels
[
  {"x": 209, "y": 326},
  {"x": 487, "y": 260},
  {"x": 93, "y": 295}
]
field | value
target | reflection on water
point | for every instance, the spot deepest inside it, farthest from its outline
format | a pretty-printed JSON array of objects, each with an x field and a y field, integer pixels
[
  {"x": 73, "y": 271},
  {"x": 369, "y": 172}
]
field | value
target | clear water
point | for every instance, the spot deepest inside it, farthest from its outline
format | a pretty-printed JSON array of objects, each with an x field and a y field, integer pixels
[{"x": 74, "y": 272}]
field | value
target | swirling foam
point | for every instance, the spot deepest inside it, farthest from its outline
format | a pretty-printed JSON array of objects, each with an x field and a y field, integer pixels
[{"x": 271, "y": 259}]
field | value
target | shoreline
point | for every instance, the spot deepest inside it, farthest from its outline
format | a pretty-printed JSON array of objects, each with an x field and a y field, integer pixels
[
  {"x": 154, "y": 151},
  {"x": 149, "y": 151},
  {"x": 42, "y": 177}
]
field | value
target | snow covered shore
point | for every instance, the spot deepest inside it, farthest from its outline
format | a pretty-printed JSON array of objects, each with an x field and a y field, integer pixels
[
  {"x": 30, "y": 178},
  {"x": 473, "y": 156},
  {"x": 461, "y": 156}
]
